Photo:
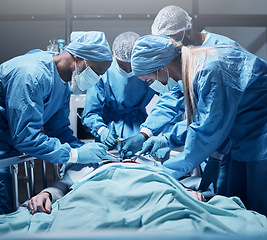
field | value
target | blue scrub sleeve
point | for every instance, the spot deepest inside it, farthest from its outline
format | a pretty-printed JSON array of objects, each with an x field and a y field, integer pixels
[
  {"x": 25, "y": 112},
  {"x": 93, "y": 109},
  {"x": 169, "y": 108},
  {"x": 176, "y": 138},
  {"x": 217, "y": 99},
  {"x": 58, "y": 126}
]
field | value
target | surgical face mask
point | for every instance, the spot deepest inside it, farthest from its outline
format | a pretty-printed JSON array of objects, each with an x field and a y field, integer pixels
[
  {"x": 87, "y": 79},
  {"x": 74, "y": 87},
  {"x": 124, "y": 73},
  {"x": 161, "y": 88},
  {"x": 157, "y": 86},
  {"x": 170, "y": 84}
]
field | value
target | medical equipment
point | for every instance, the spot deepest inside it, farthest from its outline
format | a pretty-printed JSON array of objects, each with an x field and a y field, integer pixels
[
  {"x": 108, "y": 136},
  {"x": 144, "y": 159},
  {"x": 61, "y": 43},
  {"x": 131, "y": 145},
  {"x": 153, "y": 144},
  {"x": 53, "y": 46},
  {"x": 93, "y": 153}
]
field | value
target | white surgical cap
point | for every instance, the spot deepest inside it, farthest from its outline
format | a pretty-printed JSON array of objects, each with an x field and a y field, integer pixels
[
  {"x": 123, "y": 45},
  {"x": 91, "y": 46},
  {"x": 171, "y": 20}
]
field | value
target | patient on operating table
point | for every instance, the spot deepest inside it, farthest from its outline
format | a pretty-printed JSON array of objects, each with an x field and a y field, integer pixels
[
  {"x": 75, "y": 173},
  {"x": 135, "y": 197}
]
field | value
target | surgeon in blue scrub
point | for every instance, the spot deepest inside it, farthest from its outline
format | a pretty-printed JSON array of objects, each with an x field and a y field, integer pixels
[
  {"x": 175, "y": 22},
  {"x": 225, "y": 90},
  {"x": 116, "y": 105},
  {"x": 35, "y": 93}
]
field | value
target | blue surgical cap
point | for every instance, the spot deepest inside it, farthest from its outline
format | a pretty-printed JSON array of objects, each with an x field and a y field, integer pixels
[
  {"x": 91, "y": 46},
  {"x": 151, "y": 53}
]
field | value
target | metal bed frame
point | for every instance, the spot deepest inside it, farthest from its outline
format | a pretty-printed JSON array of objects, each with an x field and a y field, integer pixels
[{"x": 28, "y": 162}]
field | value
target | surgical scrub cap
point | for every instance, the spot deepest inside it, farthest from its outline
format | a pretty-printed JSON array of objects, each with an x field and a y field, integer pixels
[
  {"x": 76, "y": 34},
  {"x": 123, "y": 45},
  {"x": 151, "y": 53},
  {"x": 91, "y": 46},
  {"x": 171, "y": 20}
]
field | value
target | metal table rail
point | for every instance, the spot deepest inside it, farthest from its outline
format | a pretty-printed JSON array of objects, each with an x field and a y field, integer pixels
[{"x": 28, "y": 162}]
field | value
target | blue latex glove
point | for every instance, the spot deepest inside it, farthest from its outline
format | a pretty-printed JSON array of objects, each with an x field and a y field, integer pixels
[
  {"x": 108, "y": 136},
  {"x": 93, "y": 153},
  {"x": 131, "y": 145},
  {"x": 162, "y": 153},
  {"x": 210, "y": 174},
  {"x": 153, "y": 144}
]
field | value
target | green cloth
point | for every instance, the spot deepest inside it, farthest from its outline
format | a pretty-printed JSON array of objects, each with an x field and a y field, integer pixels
[{"x": 138, "y": 197}]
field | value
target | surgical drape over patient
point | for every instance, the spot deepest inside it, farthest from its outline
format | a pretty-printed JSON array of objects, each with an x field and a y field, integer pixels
[
  {"x": 151, "y": 53},
  {"x": 91, "y": 46}
]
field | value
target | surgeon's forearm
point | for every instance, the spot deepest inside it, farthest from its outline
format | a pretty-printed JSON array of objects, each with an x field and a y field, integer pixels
[
  {"x": 168, "y": 110},
  {"x": 94, "y": 122},
  {"x": 67, "y": 136}
]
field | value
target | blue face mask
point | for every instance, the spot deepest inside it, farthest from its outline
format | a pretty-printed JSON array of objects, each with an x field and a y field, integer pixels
[
  {"x": 157, "y": 86},
  {"x": 124, "y": 73},
  {"x": 170, "y": 84},
  {"x": 87, "y": 79},
  {"x": 160, "y": 88}
]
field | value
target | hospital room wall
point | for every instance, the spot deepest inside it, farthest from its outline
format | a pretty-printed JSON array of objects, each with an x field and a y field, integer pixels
[{"x": 30, "y": 24}]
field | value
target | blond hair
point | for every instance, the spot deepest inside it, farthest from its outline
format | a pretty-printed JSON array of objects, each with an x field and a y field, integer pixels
[{"x": 190, "y": 59}]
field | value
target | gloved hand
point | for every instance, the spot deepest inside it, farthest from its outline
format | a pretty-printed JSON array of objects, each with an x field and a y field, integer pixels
[
  {"x": 131, "y": 145},
  {"x": 108, "y": 136},
  {"x": 153, "y": 144},
  {"x": 94, "y": 152},
  {"x": 162, "y": 153},
  {"x": 210, "y": 174}
]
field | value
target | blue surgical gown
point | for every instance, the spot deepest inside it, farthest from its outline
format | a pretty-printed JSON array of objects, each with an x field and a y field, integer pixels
[
  {"x": 170, "y": 106},
  {"x": 231, "y": 99},
  {"x": 119, "y": 99},
  {"x": 33, "y": 96}
]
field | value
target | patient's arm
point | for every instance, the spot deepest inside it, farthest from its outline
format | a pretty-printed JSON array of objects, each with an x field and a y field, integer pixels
[
  {"x": 42, "y": 201},
  {"x": 57, "y": 190}
]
